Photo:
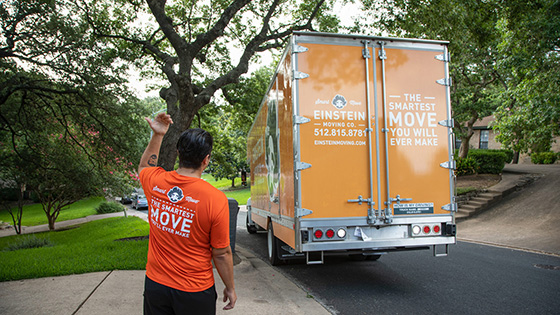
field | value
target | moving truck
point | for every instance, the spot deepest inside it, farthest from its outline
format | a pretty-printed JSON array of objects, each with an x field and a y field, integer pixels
[{"x": 352, "y": 149}]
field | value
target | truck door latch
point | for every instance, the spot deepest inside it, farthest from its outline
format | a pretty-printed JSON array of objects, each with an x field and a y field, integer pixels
[
  {"x": 398, "y": 199},
  {"x": 361, "y": 199}
]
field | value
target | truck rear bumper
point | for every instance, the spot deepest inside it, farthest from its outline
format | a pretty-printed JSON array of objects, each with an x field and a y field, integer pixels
[{"x": 379, "y": 244}]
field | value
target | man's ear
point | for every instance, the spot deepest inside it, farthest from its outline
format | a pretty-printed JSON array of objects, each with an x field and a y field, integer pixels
[{"x": 206, "y": 161}]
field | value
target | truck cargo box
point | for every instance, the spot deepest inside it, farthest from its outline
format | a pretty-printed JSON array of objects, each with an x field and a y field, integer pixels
[{"x": 351, "y": 150}]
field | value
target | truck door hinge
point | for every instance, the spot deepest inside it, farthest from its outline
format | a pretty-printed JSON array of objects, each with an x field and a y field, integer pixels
[
  {"x": 450, "y": 207},
  {"x": 300, "y": 212},
  {"x": 382, "y": 55},
  {"x": 444, "y": 57},
  {"x": 449, "y": 123},
  {"x": 302, "y": 165},
  {"x": 299, "y": 49},
  {"x": 298, "y": 75},
  {"x": 444, "y": 81},
  {"x": 301, "y": 120},
  {"x": 448, "y": 164}
]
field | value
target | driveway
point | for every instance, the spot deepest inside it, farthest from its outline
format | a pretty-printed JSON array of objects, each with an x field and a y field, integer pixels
[{"x": 526, "y": 219}]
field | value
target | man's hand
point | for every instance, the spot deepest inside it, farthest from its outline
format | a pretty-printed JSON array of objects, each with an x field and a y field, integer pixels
[
  {"x": 160, "y": 124},
  {"x": 231, "y": 296}
]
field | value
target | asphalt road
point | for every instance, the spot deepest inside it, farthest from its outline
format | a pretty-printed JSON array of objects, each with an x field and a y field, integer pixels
[{"x": 473, "y": 279}]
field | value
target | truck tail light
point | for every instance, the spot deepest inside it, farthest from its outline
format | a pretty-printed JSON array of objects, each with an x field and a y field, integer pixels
[
  {"x": 318, "y": 234},
  {"x": 341, "y": 233},
  {"x": 323, "y": 234},
  {"x": 431, "y": 229}
]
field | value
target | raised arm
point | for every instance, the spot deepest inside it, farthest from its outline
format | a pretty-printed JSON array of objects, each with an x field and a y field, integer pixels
[{"x": 160, "y": 125}]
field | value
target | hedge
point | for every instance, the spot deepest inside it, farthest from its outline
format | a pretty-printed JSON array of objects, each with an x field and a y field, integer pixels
[
  {"x": 543, "y": 157},
  {"x": 489, "y": 161},
  {"x": 109, "y": 207}
]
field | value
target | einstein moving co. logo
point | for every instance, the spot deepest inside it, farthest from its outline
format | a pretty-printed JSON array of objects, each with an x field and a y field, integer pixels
[
  {"x": 339, "y": 101},
  {"x": 175, "y": 194}
]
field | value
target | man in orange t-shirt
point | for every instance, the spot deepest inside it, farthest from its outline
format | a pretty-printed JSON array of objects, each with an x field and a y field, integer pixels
[{"x": 189, "y": 227}]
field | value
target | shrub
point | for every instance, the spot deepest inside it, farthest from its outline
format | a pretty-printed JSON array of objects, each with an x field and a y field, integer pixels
[
  {"x": 28, "y": 241},
  {"x": 489, "y": 161},
  {"x": 543, "y": 157},
  {"x": 467, "y": 166},
  {"x": 109, "y": 207},
  {"x": 509, "y": 155}
]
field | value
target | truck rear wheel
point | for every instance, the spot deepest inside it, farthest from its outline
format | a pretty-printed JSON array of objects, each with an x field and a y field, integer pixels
[
  {"x": 252, "y": 229},
  {"x": 273, "y": 247}
]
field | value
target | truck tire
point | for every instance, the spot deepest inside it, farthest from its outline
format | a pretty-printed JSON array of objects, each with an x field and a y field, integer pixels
[
  {"x": 252, "y": 229},
  {"x": 273, "y": 247}
]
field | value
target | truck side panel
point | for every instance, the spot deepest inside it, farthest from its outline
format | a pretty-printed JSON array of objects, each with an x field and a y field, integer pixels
[{"x": 270, "y": 150}]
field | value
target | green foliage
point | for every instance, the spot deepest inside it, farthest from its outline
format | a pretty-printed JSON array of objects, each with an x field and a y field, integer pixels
[
  {"x": 543, "y": 157},
  {"x": 529, "y": 116},
  {"x": 230, "y": 123},
  {"x": 464, "y": 191},
  {"x": 28, "y": 241},
  {"x": 109, "y": 207},
  {"x": 91, "y": 247},
  {"x": 509, "y": 155},
  {"x": 466, "y": 166},
  {"x": 488, "y": 161}
]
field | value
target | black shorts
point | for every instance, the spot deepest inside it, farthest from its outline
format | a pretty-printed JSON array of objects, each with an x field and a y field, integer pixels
[{"x": 161, "y": 299}]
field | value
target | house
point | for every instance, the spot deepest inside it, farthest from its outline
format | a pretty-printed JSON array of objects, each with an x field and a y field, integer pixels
[{"x": 485, "y": 138}]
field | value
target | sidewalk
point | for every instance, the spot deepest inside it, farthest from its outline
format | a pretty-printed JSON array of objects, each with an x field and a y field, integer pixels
[{"x": 260, "y": 288}]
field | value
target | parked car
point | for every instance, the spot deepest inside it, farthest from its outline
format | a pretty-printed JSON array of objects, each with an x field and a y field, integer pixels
[
  {"x": 140, "y": 202},
  {"x": 126, "y": 200}
]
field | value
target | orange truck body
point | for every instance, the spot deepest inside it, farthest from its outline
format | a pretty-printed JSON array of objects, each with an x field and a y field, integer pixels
[{"x": 355, "y": 134}]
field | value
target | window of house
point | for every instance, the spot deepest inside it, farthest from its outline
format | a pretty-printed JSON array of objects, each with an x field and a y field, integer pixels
[{"x": 484, "y": 135}]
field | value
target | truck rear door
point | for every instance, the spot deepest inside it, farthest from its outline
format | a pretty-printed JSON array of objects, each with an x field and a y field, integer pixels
[{"x": 372, "y": 130}]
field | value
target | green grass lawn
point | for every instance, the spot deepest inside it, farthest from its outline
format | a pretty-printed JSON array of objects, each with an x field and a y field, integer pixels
[
  {"x": 239, "y": 193},
  {"x": 34, "y": 215},
  {"x": 90, "y": 247}
]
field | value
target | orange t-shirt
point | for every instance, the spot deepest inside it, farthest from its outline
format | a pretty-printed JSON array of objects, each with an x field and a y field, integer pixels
[{"x": 188, "y": 217}]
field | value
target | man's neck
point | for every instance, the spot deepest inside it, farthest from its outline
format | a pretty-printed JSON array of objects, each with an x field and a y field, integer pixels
[{"x": 190, "y": 172}]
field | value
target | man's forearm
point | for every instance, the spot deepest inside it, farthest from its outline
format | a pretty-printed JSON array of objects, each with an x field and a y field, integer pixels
[
  {"x": 150, "y": 155},
  {"x": 224, "y": 264}
]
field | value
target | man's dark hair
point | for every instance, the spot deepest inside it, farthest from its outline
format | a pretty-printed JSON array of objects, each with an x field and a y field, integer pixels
[{"x": 193, "y": 146}]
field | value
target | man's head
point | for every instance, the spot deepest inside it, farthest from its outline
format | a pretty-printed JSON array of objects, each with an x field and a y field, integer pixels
[{"x": 193, "y": 147}]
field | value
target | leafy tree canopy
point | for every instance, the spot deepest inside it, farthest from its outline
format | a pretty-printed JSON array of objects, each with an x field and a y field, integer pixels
[{"x": 199, "y": 47}]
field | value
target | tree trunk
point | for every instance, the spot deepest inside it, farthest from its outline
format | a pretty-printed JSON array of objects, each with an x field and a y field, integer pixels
[
  {"x": 515, "y": 157},
  {"x": 51, "y": 219},
  {"x": 233, "y": 182},
  {"x": 182, "y": 107},
  {"x": 465, "y": 139}
]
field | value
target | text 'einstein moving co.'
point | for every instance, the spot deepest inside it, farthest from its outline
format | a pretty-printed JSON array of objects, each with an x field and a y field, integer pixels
[{"x": 334, "y": 126}]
